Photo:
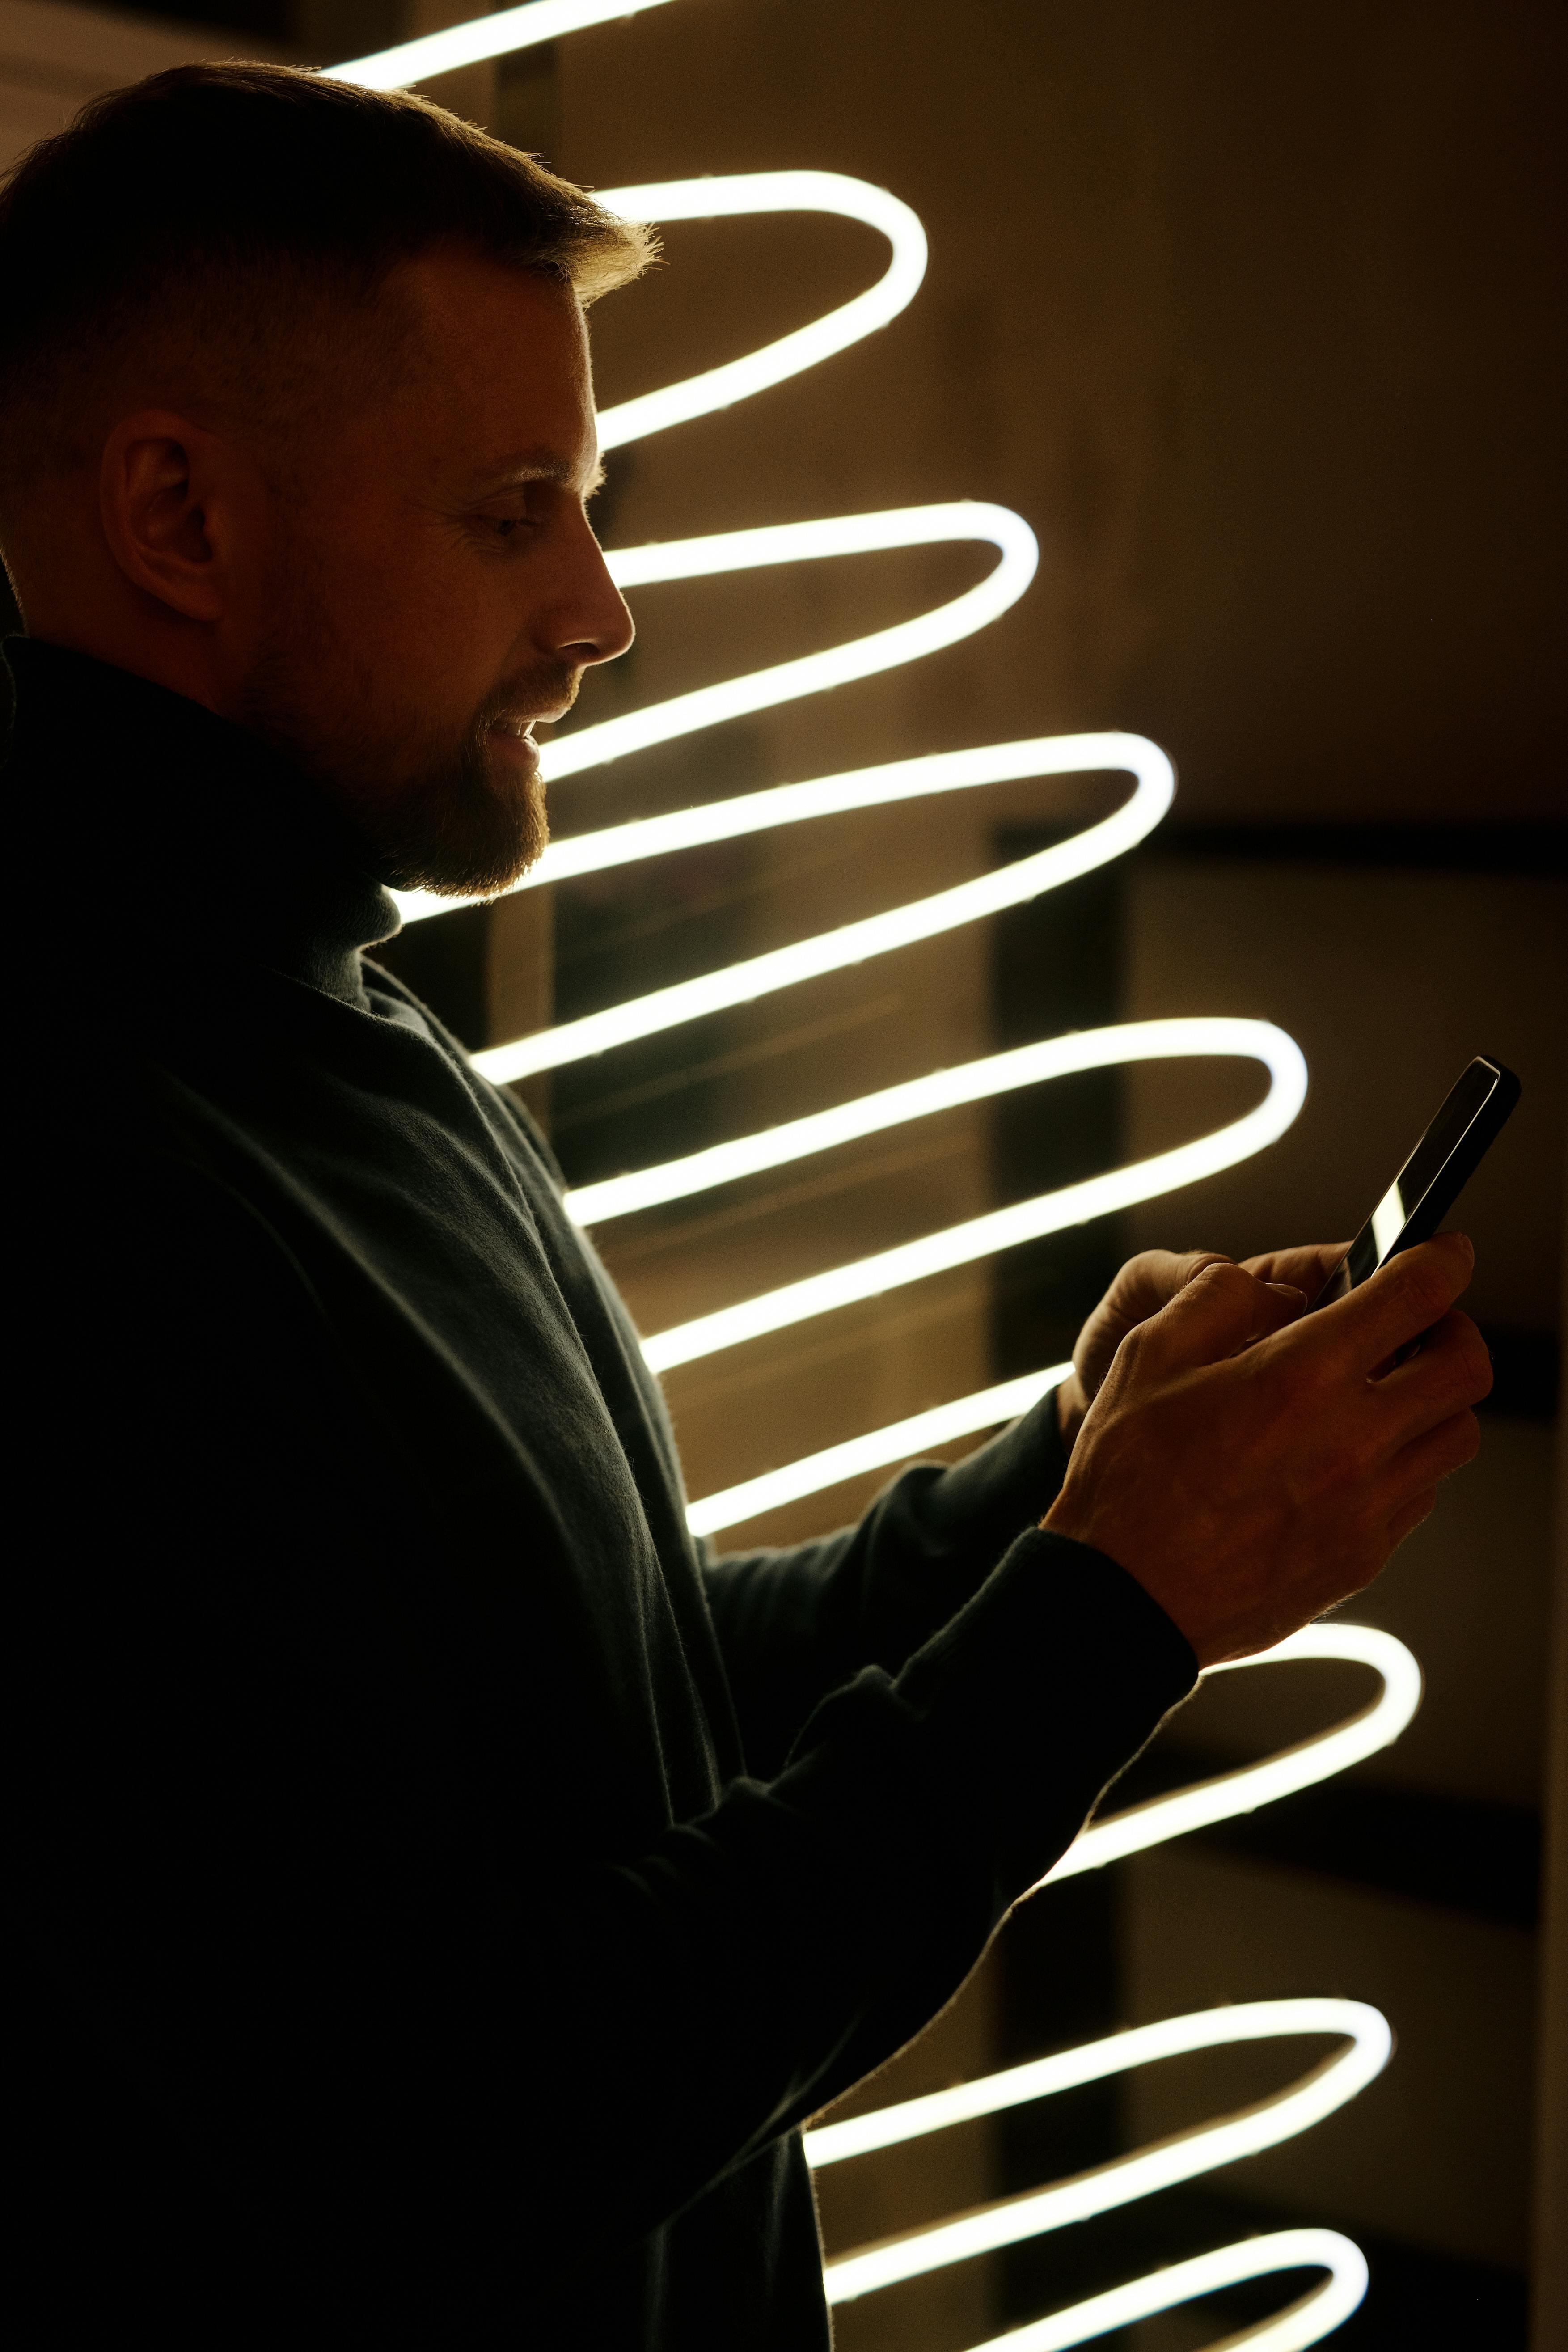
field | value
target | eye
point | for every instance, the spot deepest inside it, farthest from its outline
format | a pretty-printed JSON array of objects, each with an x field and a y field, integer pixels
[{"x": 506, "y": 528}]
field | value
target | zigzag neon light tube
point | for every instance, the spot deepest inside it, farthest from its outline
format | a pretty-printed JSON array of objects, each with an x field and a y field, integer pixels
[
  {"x": 1328, "y": 2086},
  {"x": 901, "y": 1440},
  {"x": 959, "y": 521},
  {"x": 972, "y": 1082},
  {"x": 1118, "y": 2053},
  {"x": 1317, "y": 2314},
  {"x": 851, "y": 943},
  {"x": 501, "y": 35},
  {"x": 1198, "y": 1807},
  {"x": 1000, "y": 1229},
  {"x": 1128, "y": 2178},
  {"x": 749, "y": 193},
  {"x": 857, "y": 788}
]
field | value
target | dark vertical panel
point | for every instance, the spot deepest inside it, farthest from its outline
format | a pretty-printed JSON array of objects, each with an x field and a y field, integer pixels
[
  {"x": 1057, "y": 966},
  {"x": 619, "y": 935},
  {"x": 1057, "y": 1962}
]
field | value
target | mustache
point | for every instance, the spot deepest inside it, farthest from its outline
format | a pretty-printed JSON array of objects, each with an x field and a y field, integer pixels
[{"x": 527, "y": 694}]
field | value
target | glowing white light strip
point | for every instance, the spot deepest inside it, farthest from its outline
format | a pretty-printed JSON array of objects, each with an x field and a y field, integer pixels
[
  {"x": 1328, "y": 2087},
  {"x": 971, "y": 1082},
  {"x": 959, "y": 521},
  {"x": 769, "y": 192},
  {"x": 851, "y": 943},
  {"x": 1243, "y": 1791},
  {"x": 1306, "y": 2322},
  {"x": 1127, "y": 2178},
  {"x": 824, "y": 796},
  {"x": 1118, "y": 2053},
  {"x": 498, "y": 36},
  {"x": 1000, "y": 1229},
  {"x": 897, "y": 1443}
]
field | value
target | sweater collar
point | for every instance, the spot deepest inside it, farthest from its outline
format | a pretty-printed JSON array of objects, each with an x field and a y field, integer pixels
[{"x": 180, "y": 832}]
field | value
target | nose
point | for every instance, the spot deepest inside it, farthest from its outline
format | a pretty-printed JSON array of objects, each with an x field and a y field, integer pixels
[{"x": 590, "y": 621}]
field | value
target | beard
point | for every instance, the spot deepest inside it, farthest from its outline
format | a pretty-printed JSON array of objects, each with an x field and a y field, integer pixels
[
  {"x": 459, "y": 821},
  {"x": 437, "y": 808}
]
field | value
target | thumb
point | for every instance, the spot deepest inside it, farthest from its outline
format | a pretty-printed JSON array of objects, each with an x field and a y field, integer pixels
[{"x": 1221, "y": 1310}]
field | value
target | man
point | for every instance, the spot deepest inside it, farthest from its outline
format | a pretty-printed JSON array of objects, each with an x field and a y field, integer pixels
[{"x": 439, "y": 1891}]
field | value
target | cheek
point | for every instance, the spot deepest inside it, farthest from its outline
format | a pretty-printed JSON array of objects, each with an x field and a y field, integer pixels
[{"x": 403, "y": 610}]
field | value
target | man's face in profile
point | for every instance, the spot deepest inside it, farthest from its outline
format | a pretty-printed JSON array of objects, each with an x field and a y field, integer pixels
[{"x": 436, "y": 588}]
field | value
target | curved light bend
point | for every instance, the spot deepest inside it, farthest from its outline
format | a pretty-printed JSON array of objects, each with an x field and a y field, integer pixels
[
  {"x": 956, "y": 520},
  {"x": 1184, "y": 2156},
  {"x": 1118, "y": 2053},
  {"x": 856, "y": 788},
  {"x": 1000, "y": 1229},
  {"x": 970, "y": 1082},
  {"x": 1317, "y": 2314},
  {"x": 748, "y": 192},
  {"x": 1377, "y": 1726},
  {"x": 851, "y": 943}
]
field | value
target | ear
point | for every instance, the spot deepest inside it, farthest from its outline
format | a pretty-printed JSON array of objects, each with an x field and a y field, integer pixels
[{"x": 163, "y": 511}]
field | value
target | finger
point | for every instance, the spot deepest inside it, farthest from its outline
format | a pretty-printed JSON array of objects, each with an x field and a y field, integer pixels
[
  {"x": 1221, "y": 1310},
  {"x": 1433, "y": 1456},
  {"x": 1402, "y": 1299},
  {"x": 1405, "y": 1522},
  {"x": 1145, "y": 1285},
  {"x": 1305, "y": 1268},
  {"x": 1152, "y": 1278},
  {"x": 1451, "y": 1372}
]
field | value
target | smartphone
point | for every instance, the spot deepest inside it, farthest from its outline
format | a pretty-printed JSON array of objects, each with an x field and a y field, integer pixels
[{"x": 1431, "y": 1179}]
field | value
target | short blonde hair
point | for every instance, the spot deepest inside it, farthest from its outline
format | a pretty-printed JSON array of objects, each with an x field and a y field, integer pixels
[{"x": 246, "y": 218}]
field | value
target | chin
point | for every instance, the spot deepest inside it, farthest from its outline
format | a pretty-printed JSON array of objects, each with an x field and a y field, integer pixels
[{"x": 470, "y": 834}]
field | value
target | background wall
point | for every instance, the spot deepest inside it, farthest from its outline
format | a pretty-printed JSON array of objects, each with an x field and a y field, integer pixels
[{"x": 1255, "y": 316}]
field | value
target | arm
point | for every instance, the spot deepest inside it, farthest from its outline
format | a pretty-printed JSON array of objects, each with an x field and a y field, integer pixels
[
  {"x": 795, "y": 1623},
  {"x": 376, "y": 1971}
]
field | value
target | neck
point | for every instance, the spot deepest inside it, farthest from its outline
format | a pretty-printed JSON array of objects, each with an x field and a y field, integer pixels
[{"x": 181, "y": 833}]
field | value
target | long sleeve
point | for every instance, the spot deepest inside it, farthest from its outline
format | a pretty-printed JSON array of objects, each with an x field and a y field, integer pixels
[
  {"x": 402, "y": 2010},
  {"x": 794, "y": 1624}
]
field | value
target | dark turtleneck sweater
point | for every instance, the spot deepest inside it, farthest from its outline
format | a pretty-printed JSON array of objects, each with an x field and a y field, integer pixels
[{"x": 440, "y": 1889}]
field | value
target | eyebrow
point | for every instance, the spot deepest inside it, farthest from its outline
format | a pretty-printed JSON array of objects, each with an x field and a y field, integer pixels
[{"x": 538, "y": 465}]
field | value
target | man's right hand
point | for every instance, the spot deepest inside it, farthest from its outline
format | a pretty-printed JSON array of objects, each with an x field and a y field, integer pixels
[{"x": 1247, "y": 1492}]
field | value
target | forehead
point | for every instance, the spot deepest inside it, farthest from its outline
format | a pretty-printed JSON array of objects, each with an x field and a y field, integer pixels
[{"x": 502, "y": 365}]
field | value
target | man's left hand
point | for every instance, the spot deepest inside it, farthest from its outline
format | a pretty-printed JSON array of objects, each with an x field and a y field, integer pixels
[{"x": 1150, "y": 1281}]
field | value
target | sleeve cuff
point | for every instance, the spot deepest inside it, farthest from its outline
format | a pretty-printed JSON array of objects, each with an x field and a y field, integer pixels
[{"x": 1042, "y": 1688}]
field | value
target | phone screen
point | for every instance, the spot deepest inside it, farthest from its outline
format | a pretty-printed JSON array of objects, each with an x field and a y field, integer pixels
[
  {"x": 1419, "y": 1173},
  {"x": 1433, "y": 1177}
]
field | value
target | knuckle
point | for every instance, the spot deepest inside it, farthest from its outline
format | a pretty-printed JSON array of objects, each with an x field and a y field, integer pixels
[
  {"x": 1466, "y": 1441},
  {"x": 1196, "y": 1262},
  {"x": 1425, "y": 1284},
  {"x": 1461, "y": 1364},
  {"x": 1420, "y": 1510},
  {"x": 1476, "y": 1360}
]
